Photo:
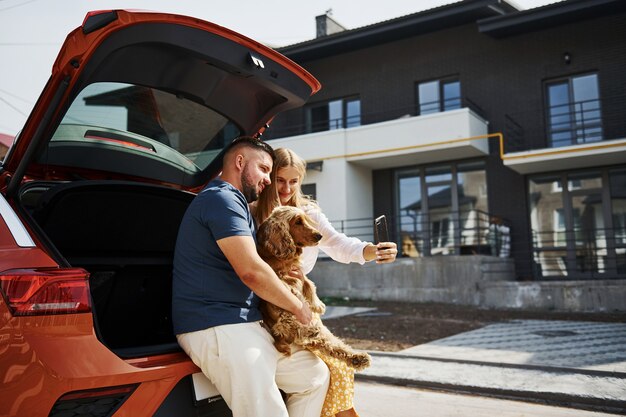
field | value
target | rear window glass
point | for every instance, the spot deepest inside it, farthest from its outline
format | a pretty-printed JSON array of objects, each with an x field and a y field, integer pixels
[{"x": 133, "y": 118}]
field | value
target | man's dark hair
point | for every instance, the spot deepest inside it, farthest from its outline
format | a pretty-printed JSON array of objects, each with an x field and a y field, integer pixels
[{"x": 250, "y": 142}]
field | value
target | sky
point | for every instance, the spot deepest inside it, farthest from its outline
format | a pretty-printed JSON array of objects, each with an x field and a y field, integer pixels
[{"x": 32, "y": 31}]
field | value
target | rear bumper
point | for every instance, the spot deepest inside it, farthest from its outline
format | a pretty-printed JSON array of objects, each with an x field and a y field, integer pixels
[{"x": 44, "y": 358}]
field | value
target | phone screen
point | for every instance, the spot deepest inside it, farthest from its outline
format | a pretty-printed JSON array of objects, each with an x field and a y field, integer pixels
[{"x": 380, "y": 229}]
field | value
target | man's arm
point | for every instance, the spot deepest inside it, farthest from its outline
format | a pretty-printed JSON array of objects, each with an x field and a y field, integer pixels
[{"x": 260, "y": 277}]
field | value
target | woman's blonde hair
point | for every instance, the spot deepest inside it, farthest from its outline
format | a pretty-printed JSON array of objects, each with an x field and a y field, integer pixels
[{"x": 268, "y": 200}]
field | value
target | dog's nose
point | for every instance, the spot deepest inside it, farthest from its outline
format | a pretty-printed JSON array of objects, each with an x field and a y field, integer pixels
[{"x": 318, "y": 237}]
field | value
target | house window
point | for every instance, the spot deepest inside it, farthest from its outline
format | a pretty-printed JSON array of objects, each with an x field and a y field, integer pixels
[
  {"x": 572, "y": 185},
  {"x": 353, "y": 113},
  {"x": 440, "y": 209},
  {"x": 574, "y": 114},
  {"x": 617, "y": 180},
  {"x": 310, "y": 190},
  {"x": 578, "y": 227},
  {"x": 438, "y": 96},
  {"x": 560, "y": 237},
  {"x": 440, "y": 233},
  {"x": 334, "y": 114}
]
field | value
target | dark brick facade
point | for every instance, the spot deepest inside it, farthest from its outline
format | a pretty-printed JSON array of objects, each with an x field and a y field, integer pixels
[{"x": 499, "y": 77}]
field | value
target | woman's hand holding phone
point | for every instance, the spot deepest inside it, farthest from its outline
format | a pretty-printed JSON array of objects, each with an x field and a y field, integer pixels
[
  {"x": 383, "y": 251},
  {"x": 386, "y": 252}
]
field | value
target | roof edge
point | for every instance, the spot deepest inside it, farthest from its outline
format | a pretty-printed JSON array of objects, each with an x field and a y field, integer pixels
[
  {"x": 426, "y": 21},
  {"x": 550, "y": 15}
]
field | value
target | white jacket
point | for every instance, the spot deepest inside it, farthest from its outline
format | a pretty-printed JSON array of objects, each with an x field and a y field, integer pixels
[{"x": 337, "y": 245}]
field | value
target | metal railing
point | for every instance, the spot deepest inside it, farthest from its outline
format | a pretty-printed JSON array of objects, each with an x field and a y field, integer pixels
[
  {"x": 334, "y": 124},
  {"x": 549, "y": 255},
  {"x": 442, "y": 233},
  {"x": 574, "y": 123},
  {"x": 579, "y": 253},
  {"x": 280, "y": 130},
  {"x": 438, "y": 106},
  {"x": 568, "y": 124}
]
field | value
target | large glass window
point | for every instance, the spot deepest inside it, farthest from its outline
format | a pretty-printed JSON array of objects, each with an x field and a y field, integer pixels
[
  {"x": 438, "y": 96},
  {"x": 546, "y": 212},
  {"x": 334, "y": 114},
  {"x": 442, "y": 209},
  {"x": 574, "y": 111},
  {"x": 473, "y": 203},
  {"x": 409, "y": 213},
  {"x": 588, "y": 222},
  {"x": 617, "y": 180},
  {"x": 353, "y": 113},
  {"x": 547, "y": 218},
  {"x": 573, "y": 233},
  {"x": 428, "y": 95}
]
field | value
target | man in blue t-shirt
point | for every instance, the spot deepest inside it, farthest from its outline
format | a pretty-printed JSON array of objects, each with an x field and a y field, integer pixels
[{"x": 218, "y": 279}]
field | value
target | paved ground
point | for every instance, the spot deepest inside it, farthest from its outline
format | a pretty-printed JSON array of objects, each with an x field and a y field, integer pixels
[
  {"x": 378, "y": 400},
  {"x": 567, "y": 363},
  {"x": 581, "y": 345},
  {"x": 395, "y": 326}
]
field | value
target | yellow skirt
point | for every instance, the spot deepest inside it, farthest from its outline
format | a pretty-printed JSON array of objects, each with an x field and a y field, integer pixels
[{"x": 340, "y": 395}]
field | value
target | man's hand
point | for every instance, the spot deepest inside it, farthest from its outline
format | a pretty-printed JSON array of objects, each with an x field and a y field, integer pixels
[
  {"x": 304, "y": 315},
  {"x": 257, "y": 275}
]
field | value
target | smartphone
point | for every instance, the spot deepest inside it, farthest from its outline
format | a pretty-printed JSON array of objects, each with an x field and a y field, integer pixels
[{"x": 380, "y": 229}]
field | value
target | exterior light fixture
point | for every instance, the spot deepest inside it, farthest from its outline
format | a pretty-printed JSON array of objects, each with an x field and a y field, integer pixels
[{"x": 567, "y": 58}]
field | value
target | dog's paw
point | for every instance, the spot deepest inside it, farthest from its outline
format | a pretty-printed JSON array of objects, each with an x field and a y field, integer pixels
[
  {"x": 312, "y": 331},
  {"x": 308, "y": 332},
  {"x": 361, "y": 361}
]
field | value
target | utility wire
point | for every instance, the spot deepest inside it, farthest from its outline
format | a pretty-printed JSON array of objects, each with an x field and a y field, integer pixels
[
  {"x": 14, "y": 96},
  {"x": 29, "y": 43},
  {"x": 17, "y": 5},
  {"x": 13, "y": 107}
]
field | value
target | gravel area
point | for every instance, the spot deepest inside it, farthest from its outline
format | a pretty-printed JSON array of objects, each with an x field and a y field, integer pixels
[{"x": 395, "y": 326}]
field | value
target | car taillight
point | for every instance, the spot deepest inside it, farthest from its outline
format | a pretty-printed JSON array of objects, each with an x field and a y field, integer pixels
[{"x": 41, "y": 291}]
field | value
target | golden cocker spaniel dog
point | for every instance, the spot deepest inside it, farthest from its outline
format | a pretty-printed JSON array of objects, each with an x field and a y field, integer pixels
[{"x": 280, "y": 240}]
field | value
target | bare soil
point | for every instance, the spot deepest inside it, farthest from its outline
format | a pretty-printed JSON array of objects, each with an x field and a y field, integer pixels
[{"x": 395, "y": 325}]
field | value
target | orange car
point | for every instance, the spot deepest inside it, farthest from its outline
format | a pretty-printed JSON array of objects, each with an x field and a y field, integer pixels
[{"x": 131, "y": 123}]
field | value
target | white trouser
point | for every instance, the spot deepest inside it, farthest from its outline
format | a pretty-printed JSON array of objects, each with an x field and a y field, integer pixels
[{"x": 247, "y": 370}]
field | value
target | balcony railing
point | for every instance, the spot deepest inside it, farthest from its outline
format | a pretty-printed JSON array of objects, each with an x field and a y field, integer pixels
[
  {"x": 472, "y": 232},
  {"x": 580, "y": 253},
  {"x": 570, "y": 256},
  {"x": 334, "y": 124},
  {"x": 574, "y": 123},
  {"x": 281, "y": 130}
]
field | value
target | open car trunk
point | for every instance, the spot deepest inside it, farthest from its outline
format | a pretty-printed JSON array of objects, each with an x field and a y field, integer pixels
[
  {"x": 124, "y": 234},
  {"x": 135, "y": 99}
]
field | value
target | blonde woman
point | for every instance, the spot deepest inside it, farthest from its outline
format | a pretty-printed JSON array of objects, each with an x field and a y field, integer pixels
[{"x": 285, "y": 189}]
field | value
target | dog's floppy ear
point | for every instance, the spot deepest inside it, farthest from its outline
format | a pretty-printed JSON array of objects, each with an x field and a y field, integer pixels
[{"x": 274, "y": 238}]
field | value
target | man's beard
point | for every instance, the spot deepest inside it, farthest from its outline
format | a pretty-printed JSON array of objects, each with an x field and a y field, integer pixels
[{"x": 249, "y": 189}]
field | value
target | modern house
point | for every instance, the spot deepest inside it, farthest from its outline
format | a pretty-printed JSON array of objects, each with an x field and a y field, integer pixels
[{"x": 481, "y": 131}]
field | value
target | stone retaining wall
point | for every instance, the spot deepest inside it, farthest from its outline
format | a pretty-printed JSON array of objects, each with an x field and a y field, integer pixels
[{"x": 483, "y": 281}]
